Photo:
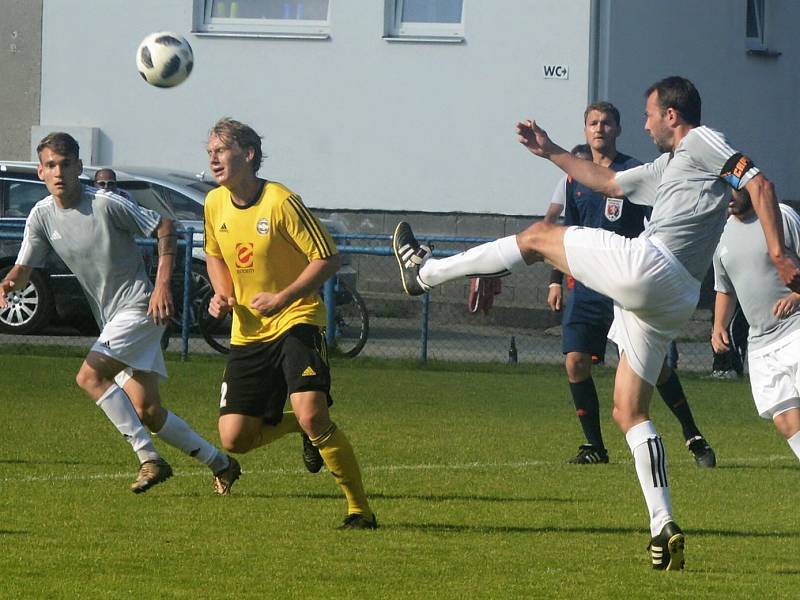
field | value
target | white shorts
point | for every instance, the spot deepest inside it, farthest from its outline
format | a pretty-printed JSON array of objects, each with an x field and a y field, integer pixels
[
  {"x": 654, "y": 295},
  {"x": 134, "y": 339},
  {"x": 775, "y": 376}
]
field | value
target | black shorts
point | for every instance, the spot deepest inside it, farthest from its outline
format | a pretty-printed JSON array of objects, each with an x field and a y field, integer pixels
[{"x": 259, "y": 377}]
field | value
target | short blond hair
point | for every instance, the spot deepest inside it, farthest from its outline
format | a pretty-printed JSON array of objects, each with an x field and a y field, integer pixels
[{"x": 229, "y": 129}]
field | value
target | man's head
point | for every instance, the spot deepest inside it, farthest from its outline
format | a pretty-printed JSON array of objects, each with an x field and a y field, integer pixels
[
  {"x": 671, "y": 103},
  {"x": 582, "y": 151},
  {"x": 602, "y": 127},
  {"x": 106, "y": 179},
  {"x": 740, "y": 205},
  {"x": 59, "y": 164},
  {"x": 232, "y": 148}
]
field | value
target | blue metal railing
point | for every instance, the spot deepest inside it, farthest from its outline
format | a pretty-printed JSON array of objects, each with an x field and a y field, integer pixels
[
  {"x": 387, "y": 251},
  {"x": 13, "y": 231}
]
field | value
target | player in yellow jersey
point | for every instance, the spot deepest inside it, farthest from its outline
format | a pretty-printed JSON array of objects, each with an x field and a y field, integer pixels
[{"x": 267, "y": 258}]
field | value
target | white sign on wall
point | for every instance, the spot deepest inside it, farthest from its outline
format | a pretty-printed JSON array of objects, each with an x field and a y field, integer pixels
[{"x": 556, "y": 71}]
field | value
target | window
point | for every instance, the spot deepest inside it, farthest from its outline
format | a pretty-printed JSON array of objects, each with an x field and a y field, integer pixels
[
  {"x": 441, "y": 20},
  {"x": 22, "y": 195},
  {"x": 754, "y": 28},
  {"x": 263, "y": 18}
]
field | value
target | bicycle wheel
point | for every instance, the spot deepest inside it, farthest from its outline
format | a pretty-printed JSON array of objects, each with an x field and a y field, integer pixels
[
  {"x": 216, "y": 332},
  {"x": 351, "y": 321}
]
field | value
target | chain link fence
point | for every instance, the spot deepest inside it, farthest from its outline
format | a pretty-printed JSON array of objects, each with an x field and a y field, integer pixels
[{"x": 517, "y": 327}]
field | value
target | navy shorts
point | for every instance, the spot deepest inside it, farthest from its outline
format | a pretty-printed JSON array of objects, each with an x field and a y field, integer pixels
[
  {"x": 260, "y": 376},
  {"x": 585, "y": 326},
  {"x": 586, "y": 321}
]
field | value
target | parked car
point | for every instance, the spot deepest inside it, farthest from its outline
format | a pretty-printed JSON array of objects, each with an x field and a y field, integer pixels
[{"x": 54, "y": 293}]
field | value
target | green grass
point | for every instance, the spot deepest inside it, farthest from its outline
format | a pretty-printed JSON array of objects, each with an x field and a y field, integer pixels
[{"x": 468, "y": 478}]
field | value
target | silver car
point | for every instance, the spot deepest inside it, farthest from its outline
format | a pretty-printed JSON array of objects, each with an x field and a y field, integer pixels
[{"x": 54, "y": 293}]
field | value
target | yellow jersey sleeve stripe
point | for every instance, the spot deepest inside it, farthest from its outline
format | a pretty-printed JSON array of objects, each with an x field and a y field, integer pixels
[{"x": 312, "y": 226}]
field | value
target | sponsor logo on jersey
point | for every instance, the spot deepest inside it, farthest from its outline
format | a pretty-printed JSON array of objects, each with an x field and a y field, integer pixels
[
  {"x": 105, "y": 344},
  {"x": 223, "y": 228},
  {"x": 613, "y": 209},
  {"x": 244, "y": 255},
  {"x": 309, "y": 372},
  {"x": 55, "y": 236},
  {"x": 262, "y": 227}
]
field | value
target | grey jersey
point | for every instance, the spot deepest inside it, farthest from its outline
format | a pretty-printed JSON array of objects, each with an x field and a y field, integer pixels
[
  {"x": 95, "y": 239},
  {"x": 742, "y": 266},
  {"x": 689, "y": 192}
]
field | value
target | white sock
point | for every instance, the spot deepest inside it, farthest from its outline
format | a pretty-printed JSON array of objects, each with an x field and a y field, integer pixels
[
  {"x": 794, "y": 444},
  {"x": 493, "y": 258},
  {"x": 651, "y": 468},
  {"x": 119, "y": 410},
  {"x": 177, "y": 433}
]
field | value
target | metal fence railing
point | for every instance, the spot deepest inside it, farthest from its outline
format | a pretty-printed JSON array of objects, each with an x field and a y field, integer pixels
[{"x": 518, "y": 327}]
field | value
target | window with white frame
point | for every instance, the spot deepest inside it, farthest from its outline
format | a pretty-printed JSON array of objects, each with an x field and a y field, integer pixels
[
  {"x": 426, "y": 19},
  {"x": 268, "y": 18},
  {"x": 754, "y": 28}
]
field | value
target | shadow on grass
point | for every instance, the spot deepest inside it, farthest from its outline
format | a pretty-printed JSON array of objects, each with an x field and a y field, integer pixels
[
  {"x": 451, "y": 528},
  {"x": 424, "y": 497},
  {"x": 768, "y": 467}
]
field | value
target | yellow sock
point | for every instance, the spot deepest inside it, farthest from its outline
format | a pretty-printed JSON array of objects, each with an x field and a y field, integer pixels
[
  {"x": 270, "y": 433},
  {"x": 341, "y": 461}
]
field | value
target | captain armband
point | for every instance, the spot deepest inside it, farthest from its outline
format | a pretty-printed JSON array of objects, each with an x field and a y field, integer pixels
[{"x": 735, "y": 170}]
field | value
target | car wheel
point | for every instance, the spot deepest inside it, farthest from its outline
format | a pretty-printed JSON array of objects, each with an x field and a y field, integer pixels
[{"x": 28, "y": 310}]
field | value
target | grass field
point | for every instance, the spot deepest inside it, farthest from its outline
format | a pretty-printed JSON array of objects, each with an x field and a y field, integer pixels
[{"x": 467, "y": 476}]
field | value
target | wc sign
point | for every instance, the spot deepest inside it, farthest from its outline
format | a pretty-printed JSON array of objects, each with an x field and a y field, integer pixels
[{"x": 556, "y": 72}]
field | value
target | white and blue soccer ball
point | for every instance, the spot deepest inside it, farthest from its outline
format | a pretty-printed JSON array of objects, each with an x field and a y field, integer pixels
[{"x": 164, "y": 59}]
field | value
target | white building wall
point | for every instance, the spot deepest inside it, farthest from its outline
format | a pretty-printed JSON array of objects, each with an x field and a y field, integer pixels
[
  {"x": 752, "y": 99},
  {"x": 351, "y": 122}
]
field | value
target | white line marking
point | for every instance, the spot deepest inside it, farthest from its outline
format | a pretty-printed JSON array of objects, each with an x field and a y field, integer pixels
[{"x": 195, "y": 471}]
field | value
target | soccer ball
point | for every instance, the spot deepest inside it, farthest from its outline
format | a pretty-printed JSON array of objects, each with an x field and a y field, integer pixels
[{"x": 164, "y": 59}]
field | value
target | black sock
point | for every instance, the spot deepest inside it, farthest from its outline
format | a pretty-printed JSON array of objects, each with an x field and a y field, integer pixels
[
  {"x": 584, "y": 395},
  {"x": 672, "y": 393}
]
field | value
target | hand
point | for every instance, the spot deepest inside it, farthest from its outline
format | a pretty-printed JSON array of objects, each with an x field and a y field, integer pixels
[
  {"x": 720, "y": 340},
  {"x": 554, "y": 297},
  {"x": 161, "y": 307},
  {"x": 268, "y": 303},
  {"x": 786, "y": 306},
  {"x": 534, "y": 138},
  {"x": 789, "y": 272},
  {"x": 6, "y": 287},
  {"x": 220, "y": 305}
]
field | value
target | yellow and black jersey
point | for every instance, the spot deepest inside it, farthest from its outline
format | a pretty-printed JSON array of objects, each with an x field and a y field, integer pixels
[{"x": 266, "y": 246}]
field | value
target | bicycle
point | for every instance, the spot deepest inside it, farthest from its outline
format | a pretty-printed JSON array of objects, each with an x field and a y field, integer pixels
[{"x": 351, "y": 321}]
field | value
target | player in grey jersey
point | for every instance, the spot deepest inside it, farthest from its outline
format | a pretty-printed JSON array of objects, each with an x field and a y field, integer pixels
[
  {"x": 94, "y": 233},
  {"x": 743, "y": 270},
  {"x": 654, "y": 280}
]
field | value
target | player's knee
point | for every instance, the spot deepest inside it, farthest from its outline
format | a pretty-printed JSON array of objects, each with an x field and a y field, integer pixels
[
  {"x": 238, "y": 442},
  {"x": 578, "y": 366},
  {"x": 314, "y": 423},
  {"x": 87, "y": 378},
  {"x": 623, "y": 417},
  {"x": 528, "y": 239},
  {"x": 153, "y": 416}
]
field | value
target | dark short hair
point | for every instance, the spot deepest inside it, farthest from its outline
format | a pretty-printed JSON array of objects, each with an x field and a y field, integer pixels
[
  {"x": 60, "y": 143},
  {"x": 603, "y": 107},
  {"x": 229, "y": 129},
  {"x": 679, "y": 94},
  {"x": 581, "y": 149},
  {"x": 105, "y": 170}
]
